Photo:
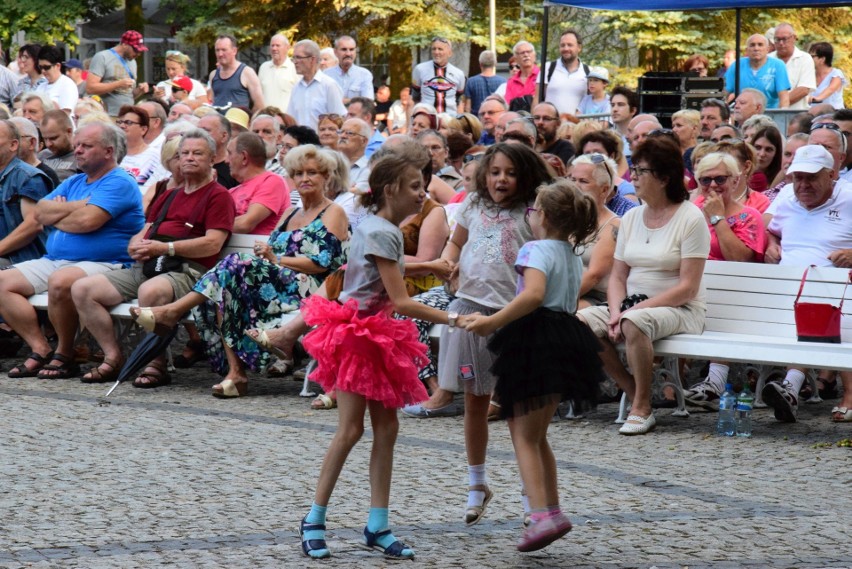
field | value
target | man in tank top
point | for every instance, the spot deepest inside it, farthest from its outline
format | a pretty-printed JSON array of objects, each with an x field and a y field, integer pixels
[{"x": 234, "y": 84}]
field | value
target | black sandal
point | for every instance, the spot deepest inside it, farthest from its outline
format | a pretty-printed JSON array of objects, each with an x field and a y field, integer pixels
[
  {"x": 198, "y": 355},
  {"x": 22, "y": 371},
  {"x": 68, "y": 368},
  {"x": 153, "y": 376}
]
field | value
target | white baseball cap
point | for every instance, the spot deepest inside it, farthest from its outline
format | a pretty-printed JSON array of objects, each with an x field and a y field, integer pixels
[{"x": 810, "y": 159}]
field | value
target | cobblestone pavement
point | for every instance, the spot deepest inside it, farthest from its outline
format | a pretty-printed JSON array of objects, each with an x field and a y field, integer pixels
[{"x": 173, "y": 477}]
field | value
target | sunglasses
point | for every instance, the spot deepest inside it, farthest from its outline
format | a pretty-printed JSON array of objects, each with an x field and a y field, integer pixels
[
  {"x": 515, "y": 67},
  {"x": 177, "y": 89},
  {"x": 707, "y": 180},
  {"x": 468, "y": 158},
  {"x": 661, "y": 132},
  {"x": 597, "y": 159},
  {"x": 45, "y": 67},
  {"x": 828, "y": 125}
]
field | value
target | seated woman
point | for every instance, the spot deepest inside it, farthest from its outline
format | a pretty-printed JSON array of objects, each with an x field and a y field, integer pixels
[
  {"x": 594, "y": 174},
  {"x": 737, "y": 233},
  {"x": 769, "y": 148},
  {"x": 686, "y": 125},
  {"x": 245, "y": 291},
  {"x": 655, "y": 287},
  {"x": 610, "y": 144},
  {"x": 142, "y": 161},
  {"x": 746, "y": 158},
  {"x": 327, "y": 129}
]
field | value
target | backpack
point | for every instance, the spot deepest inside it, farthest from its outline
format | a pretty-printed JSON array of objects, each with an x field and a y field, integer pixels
[{"x": 552, "y": 67}]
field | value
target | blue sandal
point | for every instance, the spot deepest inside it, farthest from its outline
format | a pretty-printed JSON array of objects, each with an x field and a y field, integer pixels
[
  {"x": 313, "y": 548},
  {"x": 393, "y": 551}
]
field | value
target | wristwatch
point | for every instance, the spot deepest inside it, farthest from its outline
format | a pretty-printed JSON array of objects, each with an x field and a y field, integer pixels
[
  {"x": 451, "y": 319},
  {"x": 714, "y": 219},
  {"x": 171, "y": 249}
]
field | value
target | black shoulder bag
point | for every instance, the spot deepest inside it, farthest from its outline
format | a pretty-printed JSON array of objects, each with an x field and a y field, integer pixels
[{"x": 166, "y": 263}]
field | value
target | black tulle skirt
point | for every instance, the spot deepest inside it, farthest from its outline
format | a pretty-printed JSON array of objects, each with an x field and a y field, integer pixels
[{"x": 544, "y": 357}]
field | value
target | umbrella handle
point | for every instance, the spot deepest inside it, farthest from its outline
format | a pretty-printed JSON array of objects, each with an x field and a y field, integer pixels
[{"x": 112, "y": 389}]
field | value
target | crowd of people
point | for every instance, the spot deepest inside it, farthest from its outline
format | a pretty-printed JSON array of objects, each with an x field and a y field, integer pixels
[{"x": 539, "y": 237}]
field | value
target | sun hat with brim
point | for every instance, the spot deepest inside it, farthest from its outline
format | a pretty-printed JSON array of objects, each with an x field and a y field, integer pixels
[
  {"x": 810, "y": 159},
  {"x": 238, "y": 117}
]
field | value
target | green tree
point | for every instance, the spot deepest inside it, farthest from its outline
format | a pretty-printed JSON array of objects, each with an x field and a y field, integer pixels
[{"x": 48, "y": 20}]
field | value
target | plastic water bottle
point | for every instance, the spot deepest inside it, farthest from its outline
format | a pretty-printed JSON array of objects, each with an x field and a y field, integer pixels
[
  {"x": 727, "y": 403},
  {"x": 745, "y": 403}
]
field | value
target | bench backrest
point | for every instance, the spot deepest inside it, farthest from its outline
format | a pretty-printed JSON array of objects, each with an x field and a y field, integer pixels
[
  {"x": 241, "y": 243},
  {"x": 753, "y": 298}
]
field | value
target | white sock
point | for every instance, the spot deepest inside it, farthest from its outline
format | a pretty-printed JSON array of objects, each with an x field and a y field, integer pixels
[
  {"x": 718, "y": 376},
  {"x": 476, "y": 476},
  {"x": 795, "y": 379}
]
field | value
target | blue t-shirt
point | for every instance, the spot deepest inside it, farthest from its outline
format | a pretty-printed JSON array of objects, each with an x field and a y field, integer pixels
[
  {"x": 562, "y": 268},
  {"x": 117, "y": 194},
  {"x": 588, "y": 106},
  {"x": 770, "y": 79}
]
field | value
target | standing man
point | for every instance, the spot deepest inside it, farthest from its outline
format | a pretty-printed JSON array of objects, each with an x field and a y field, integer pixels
[
  {"x": 8, "y": 86},
  {"x": 112, "y": 73},
  {"x": 522, "y": 85},
  {"x": 317, "y": 93},
  {"x": 60, "y": 89},
  {"x": 219, "y": 128},
  {"x": 799, "y": 64},
  {"x": 625, "y": 105},
  {"x": 546, "y": 120},
  {"x": 74, "y": 71},
  {"x": 278, "y": 77},
  {"x": 21, "y": 187},
  {"x": 481, "y": 86},
  {"x": 354, "y": 81},
  {"x": 714, "y": 113},
  {"x": 566, "y": 77},
  {"x": 94, "y": 215},
  {"x": 759, "y": 71},
  {"x": 58, "y": 153},
  {"x": 438, "y": 82},
  {"x": 234, "y": 84}
]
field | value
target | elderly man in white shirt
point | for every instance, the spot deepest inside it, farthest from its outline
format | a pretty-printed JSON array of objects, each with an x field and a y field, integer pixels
[
  {"x": 354, "y": 81},
  {"x": 278, "y": 76},
  {"x": 800, "y": 66},
  {"x": 354, "y": 135},
  {"x": 316, "y": 93}
]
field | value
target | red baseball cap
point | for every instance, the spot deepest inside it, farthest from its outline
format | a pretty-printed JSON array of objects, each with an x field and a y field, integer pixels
[
  {"x": 134, "y": 39},
  {"x": 182, "y": 82}
]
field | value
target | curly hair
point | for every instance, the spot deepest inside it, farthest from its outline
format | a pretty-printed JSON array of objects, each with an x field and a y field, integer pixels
[{"x": 531, "y": 168}]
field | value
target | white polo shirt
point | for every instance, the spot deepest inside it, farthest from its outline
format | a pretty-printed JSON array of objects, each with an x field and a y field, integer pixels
[
  {"x": 310, "y": 100},
  {"x": 809, "y": 236},
  {"x": 63, "y": 92},
  {"x": 801, "y": 71},
  {"x": 277, "y": 82},
  {"x": 565, "y": 88}
]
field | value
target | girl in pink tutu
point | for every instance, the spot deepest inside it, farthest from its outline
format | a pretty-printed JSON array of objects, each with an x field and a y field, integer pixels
[
  {"x": 544, "y": 355},
  {"x": 366, "y": 356}
]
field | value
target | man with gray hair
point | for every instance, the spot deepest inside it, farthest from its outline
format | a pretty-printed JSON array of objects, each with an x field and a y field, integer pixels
[
  {"x": 758, "y": 71},
  {"x": 28, "y": 148},
  {"x": 437, "y": 81},
  {"x": 522, "y": 84},
  {"x": 750, "y": 102},
  {"x": 278, "y": 76},
  {"x": 317, "y": 93},
  {"x": 479, "y": 87},
  {"x": 21, "y": 187},
  {"x": 800, "y": 66},
  {"x": 234, "y": 84},
  {"x": 354, "y": 135},
  {"x": 184, "y": 231},
  {"x": 219, "y": 128},
  {"x": 34, "y": 105},
  {"x": 354, "y": 81},
  {"x": 93, "y": 216}
]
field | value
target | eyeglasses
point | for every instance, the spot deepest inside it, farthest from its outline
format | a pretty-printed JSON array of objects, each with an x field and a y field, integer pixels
[
  {"x": 661, "y": 132},
  {"x": 529, "y": 212},
  {"x": 636, "y": 171},
  {"x": 302, "y": 57},
  {"x": 329, "y": 116},
  {"x": 537, "y": 118},
  {"x": 828, "y": 125},
  {"x": 488, "y": 113},
  {"x": 707, "y": 180},
  {"x": 525, "y": 52},
  {"x": 121, "y": 122},
  {"x": 23, "y": 56},
  {"x": 785, "y": 39},
  {"x": 468, "y": 158},
  {"x": 349, "y": 133},
  {"x": 45, "y": 67}
]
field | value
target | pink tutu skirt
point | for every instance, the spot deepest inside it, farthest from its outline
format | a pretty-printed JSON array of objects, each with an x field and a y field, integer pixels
[{"x": 376, "y": 356}]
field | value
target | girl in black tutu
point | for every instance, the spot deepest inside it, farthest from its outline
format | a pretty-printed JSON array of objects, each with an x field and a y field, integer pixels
[{"x": 544, "y": 355}]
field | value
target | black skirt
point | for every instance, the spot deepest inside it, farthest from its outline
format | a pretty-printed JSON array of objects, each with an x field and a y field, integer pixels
[{"x": 544, "y": 357}]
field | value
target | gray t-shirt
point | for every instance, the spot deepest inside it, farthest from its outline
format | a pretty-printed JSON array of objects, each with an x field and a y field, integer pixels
[
  {"x": 560, "y": 265},
  {"x": 486, "y": 265},
  {"x": 65, "y": 166},
  {"x": 109, "y": 67},
  {"x": 374, "y": 237}
]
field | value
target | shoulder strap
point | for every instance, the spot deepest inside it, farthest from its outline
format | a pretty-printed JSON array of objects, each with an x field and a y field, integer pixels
[
  {"x": 123, "y": 63},
  {"x": 162, "y": 215},
  {"x": 551, "y": 68},
  {"x": 197, "y": 211},
  {"x": 283, "y": 225},
  {"x": 586, "y": 69}
]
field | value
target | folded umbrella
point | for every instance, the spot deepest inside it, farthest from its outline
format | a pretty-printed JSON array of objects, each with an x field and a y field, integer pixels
[{"x": 151, "y": 346}]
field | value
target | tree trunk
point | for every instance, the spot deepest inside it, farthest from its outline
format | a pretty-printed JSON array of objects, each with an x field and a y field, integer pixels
[{"x": 134, "y": 19}]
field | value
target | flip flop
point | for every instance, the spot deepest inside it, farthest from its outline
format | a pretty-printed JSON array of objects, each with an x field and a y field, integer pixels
[{"x": 144, "y": 317}]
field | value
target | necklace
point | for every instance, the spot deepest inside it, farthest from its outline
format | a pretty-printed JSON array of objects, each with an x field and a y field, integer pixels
[{"x": 742, "y": 195}]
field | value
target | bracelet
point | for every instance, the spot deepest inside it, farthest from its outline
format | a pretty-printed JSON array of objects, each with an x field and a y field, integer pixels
[{"x": 171, "y": 249}]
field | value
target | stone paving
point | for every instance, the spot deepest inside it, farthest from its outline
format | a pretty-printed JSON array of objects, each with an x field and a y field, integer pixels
[{"x": 173, "y": 477}]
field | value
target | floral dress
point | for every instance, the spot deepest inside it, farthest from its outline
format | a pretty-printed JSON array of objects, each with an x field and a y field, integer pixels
[{"x": 250, "y": 292}]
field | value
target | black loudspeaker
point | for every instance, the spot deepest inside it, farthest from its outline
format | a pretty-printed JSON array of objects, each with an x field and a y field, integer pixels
[{"x": 664, "y": 93}]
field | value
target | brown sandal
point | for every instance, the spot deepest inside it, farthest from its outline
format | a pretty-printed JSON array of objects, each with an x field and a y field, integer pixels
[
  {"x": 98, "y": 375},
  {"x": 153, "y": 376}
]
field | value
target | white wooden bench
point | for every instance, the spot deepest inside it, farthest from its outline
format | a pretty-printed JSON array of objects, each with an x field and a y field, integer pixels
[{"x": 750, "y": 320}]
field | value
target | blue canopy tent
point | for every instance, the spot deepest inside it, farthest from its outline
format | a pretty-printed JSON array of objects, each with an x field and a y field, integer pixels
[{"x": 677, "y": 5}]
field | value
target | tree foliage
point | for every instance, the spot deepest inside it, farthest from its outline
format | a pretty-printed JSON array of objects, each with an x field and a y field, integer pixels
[{"x": 48, "y": 20}]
